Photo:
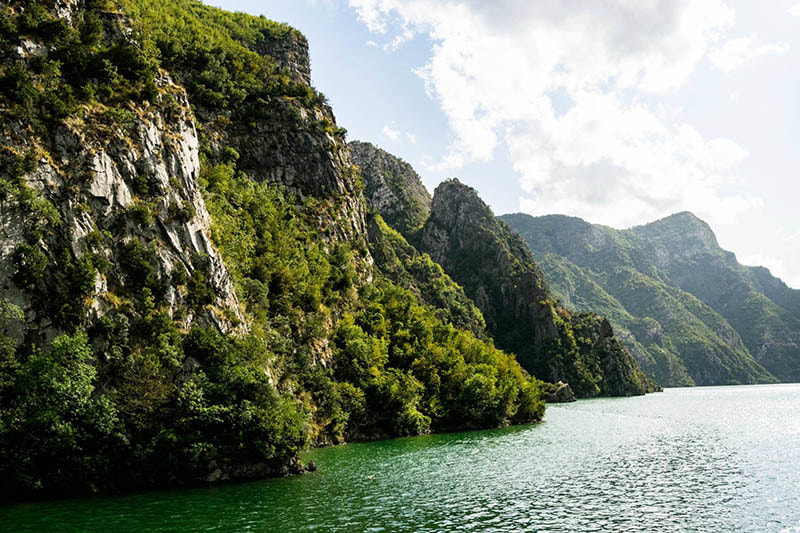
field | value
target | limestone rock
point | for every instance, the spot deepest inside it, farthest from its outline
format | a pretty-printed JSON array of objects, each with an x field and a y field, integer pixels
[
  {"x": 557, "y": 393},
  {"x": 392, "y": 187},
  {"x": 90, "y": 179}
]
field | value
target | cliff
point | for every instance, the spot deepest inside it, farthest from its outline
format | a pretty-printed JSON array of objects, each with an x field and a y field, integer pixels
[
  {"x": 392, "y": 187},
  {"x": 498, "y": 272}
]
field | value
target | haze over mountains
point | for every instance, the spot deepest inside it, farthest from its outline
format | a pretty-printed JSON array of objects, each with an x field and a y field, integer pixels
[{"x": 685, "y": 307}]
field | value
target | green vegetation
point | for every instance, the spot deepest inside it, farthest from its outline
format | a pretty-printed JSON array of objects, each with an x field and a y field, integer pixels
[
  {"x": 84, "y": 64},
  {"x": 653, "y": 350},
  {"x": 397, "y": 369},
  {"x": 72, "y": 425},
  {"x": 499, "y": 273},
  {"x": 115, "y": 372},
  {"x": 215, "y": 54},
  {"x": 418, "y": 373},
  {"x": 405, "y": 266},
  {"x": 661, "y": 286}
]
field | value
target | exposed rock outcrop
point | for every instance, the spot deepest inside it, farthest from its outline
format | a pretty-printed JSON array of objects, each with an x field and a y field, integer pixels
[
  {"x": 558, "y": 393},
  {"x": 392, "y": 187},
  {"x": 303, "y": 151},
  {"x": 289, "y": 49},
  {"x": 115, "y": 192}
]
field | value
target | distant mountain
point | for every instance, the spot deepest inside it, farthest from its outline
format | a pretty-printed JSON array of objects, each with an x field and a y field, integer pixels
[{"x": 684, "y": 306}]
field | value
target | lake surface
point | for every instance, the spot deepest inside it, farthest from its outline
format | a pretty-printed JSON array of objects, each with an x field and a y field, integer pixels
[{"x": 712, "y": 459}]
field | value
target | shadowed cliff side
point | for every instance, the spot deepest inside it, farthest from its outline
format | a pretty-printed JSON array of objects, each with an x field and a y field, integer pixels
[{"x": 499, "y": 273}]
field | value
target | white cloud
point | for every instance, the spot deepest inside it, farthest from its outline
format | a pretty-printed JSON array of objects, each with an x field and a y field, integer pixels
[
  {"x": 791, "y": 237},
  {"x": 391, "y": 131},
  {"x": 736, "y": 52},
  {"x": 395, "y": 134},
  {"x": 794, "y": 10},
  {"x": 372, "y": 43},
  {"x": 776, "y": 266},
  {"x": 614, "y": 156}
]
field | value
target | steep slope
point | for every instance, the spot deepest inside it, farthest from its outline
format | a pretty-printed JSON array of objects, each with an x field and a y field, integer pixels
[
  {"x": 392, "y": 187},
  {"x": 578, "y": 290},
  {"x": 404, "y": 265},
  {"x": 685, "y": 249},
  {"x": 498, "y": 272},
  {"x": 186, "y": 288},
  {"x": 634, "y": 276}
]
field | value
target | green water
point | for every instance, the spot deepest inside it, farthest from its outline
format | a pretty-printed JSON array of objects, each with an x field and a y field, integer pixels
[{"x": 711, "y": 459}]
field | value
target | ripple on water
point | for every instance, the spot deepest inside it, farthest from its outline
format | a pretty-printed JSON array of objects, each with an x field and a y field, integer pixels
[{"x": 687, "y": 459}]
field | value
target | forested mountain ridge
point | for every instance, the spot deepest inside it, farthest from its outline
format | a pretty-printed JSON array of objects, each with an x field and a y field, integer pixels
[
  {"x": 495, "y": 269},
  {"x": 188, "y": 284},
  {"x": 687, "y": 308}
]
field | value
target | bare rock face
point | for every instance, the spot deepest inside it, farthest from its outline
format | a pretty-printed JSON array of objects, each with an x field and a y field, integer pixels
[
  {"x": 302, "y": 150},
  {"x": 558, "y": 393},
  {"x": 392, "y": 187},
  {"x": 290, "y": 51},
  {"x": 116, "y": 189},
  {"x": 481, "y": 254}
]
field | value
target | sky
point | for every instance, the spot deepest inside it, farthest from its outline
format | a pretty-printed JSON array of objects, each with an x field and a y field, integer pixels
[{"x": 620, "y": 112}]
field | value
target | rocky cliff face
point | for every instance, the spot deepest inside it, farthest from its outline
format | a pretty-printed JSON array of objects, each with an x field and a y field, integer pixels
[
  {"x": 498, "y": 272},
  {"x": 299, "y": 148},
  {"x": 289, "y": 50},
  {"x": 672, "y": 291},
  {"x": 100, "y": 209},
  {"x": 108, "y": 269},
  {"x": 392, "y": 187},
  {"x": 463, "y": 236},
  {"x": 396, "y": 259},
  {"x": 253, "y": 98}
]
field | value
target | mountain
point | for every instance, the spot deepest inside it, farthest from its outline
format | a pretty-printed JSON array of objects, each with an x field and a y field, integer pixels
[
  {"x": 459, "y": 238},
  {"x": 499, "y": 273},
  {"x": 405, "y": 266},
  {"x": 192, "y": 288},
  {"x": 686, "y": 308}
]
